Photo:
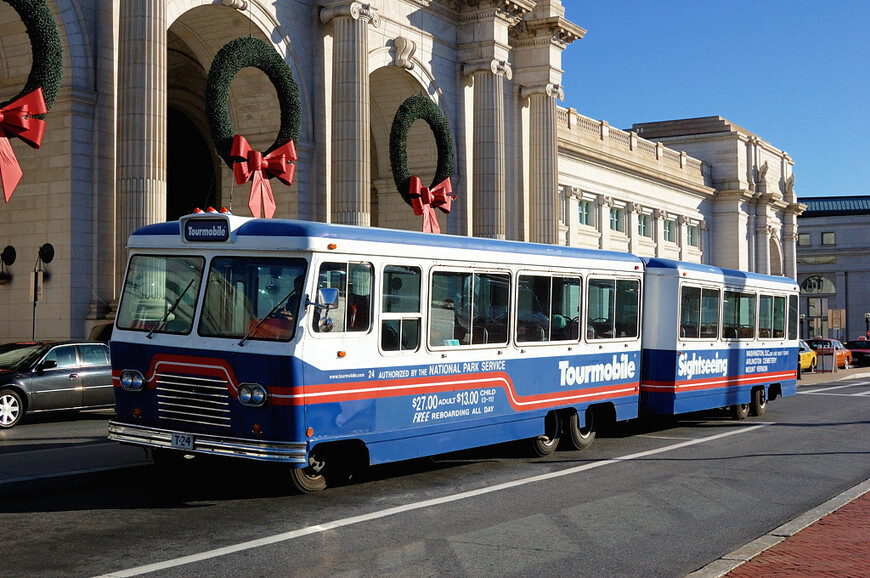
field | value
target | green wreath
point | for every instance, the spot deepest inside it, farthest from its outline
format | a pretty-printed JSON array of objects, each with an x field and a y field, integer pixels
[
  {"x": 47, "y": 68},
  {"x": 419, "y": 107},
  {"x": 234, "y": 56}
]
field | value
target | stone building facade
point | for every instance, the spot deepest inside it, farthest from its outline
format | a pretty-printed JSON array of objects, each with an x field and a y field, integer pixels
[
  {"x": 833, "y": 253},
  {"x": 127, "y": 141}
]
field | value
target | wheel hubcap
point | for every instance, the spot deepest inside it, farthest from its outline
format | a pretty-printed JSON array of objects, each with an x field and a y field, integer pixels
[{"x": 8, "y": 409}]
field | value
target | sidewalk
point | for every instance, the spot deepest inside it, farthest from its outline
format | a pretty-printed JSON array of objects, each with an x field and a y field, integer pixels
[{"x": 830, "y": 540}]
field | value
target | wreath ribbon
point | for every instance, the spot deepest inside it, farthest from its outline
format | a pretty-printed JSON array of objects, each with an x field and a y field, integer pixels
[
  {"x": 16, "y": 121},
  {"x": 254, "y": 166},
  {"x": 425, "y": 200}
]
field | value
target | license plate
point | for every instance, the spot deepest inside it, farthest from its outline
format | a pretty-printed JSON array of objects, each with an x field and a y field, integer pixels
[{"x": 182, "y": 441}]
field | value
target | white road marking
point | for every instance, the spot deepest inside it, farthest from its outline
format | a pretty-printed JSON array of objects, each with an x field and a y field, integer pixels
[
  {"x": 353, "y": 520},
  {"x": 824, "y": 390}
]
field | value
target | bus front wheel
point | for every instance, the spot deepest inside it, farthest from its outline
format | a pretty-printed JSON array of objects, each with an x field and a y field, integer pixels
[{"x": 310, "y": 479}]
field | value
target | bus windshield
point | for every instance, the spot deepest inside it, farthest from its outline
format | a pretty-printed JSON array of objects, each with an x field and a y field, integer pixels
[
  {"x": 252, "y": 298},
  {"x": 160, "y": 294}
]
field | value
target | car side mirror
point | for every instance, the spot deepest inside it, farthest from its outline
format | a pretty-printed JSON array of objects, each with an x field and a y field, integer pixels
[{"x": 48, "y": 364}]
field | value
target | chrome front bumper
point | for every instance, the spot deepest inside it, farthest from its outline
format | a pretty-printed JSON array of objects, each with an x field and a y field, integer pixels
[{"x": 271, "y": 451}]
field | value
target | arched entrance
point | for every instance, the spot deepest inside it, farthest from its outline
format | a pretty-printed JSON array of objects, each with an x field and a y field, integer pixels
[
  {"x": 390, "y": 86},
  {"x": 196, "y": 175},
  {"x": 775, "y": 258},
  {"x": 820, "y": 295},
  {"x": 191, "y": 174}
]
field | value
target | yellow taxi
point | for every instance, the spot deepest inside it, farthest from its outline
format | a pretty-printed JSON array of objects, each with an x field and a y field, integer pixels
[{"x": 808, "y": 357}]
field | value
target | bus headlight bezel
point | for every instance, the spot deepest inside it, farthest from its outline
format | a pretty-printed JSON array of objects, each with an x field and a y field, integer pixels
[
  {"x": 253, "y": 395},
  {"x": 132, "y": 380}
]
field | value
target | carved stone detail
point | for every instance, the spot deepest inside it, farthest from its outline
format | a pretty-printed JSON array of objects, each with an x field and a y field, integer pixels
[{"x": 405, "y": 50}]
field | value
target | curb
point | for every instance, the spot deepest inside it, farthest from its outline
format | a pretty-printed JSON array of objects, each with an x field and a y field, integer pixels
[{"x": 736, "y": 558}]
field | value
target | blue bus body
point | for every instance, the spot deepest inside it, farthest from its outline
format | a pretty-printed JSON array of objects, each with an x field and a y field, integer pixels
[{"x": 434, "y": 343}]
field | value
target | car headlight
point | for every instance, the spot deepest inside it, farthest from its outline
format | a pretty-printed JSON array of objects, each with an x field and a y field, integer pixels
[
  {"x": 252, "y": 394},
  {"x": 132, "y": 380}
]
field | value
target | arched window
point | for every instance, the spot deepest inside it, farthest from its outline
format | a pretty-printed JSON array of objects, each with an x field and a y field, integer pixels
[{"x": 817, "y": 285}]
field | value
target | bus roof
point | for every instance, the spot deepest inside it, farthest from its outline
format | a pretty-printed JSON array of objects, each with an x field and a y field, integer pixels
[
  {"x": 730, "y": 275},
  {"x": 246, "y": 229}
]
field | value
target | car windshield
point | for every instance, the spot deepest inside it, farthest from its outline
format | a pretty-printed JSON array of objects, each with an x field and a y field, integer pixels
[
  {"x": 858, "y": 344},
  {"x": 820, "y": 343},
  {"x": 19, "y": 356}
]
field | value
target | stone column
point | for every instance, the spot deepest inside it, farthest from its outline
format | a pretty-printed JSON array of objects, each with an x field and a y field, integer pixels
[
  {"x": 543, "y": 162},
  {"x": 659, "y": 218},
  {"x": 762, "y": 249},
  {"x": 141, "y": 157},
  {"x": 488, "y": 181},
  {"x": 572, "y": 221},
  {"x": 604, "y": 205},
  {"x": 351, "y": 164},
  {"x": 633, "y": 211},
  {"x": 789, "y": 239}
]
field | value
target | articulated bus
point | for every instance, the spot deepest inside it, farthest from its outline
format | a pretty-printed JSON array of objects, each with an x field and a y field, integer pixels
[{"x": 328, "y": 346}]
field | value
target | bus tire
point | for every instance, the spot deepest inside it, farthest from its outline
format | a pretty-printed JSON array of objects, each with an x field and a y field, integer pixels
[
  {"x": 310, "y": 479},
  {"x": 307, "y": 481},
  {"x": 582, "y": 438},
  {"x": 740, "y": 411},
  {"x": 759, "y": 402},
  {"x": 544, "y": 445}
]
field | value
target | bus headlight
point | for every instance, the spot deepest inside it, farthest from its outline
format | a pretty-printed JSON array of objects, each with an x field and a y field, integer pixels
[
  {"x": 132, "y": 380},
  {"x": 252, "y": 394}
]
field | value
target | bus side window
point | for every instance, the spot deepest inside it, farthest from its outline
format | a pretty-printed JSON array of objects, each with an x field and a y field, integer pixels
[
  {"x": 354, "y": 284},
  {"x": 400, "y": 326}
]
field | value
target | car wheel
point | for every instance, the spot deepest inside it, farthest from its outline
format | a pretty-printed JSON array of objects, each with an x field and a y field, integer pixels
[{"x": 11, "y": 408}]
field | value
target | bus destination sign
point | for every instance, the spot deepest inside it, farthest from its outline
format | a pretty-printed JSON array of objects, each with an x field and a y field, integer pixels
[{"x": 206, "y": 230}]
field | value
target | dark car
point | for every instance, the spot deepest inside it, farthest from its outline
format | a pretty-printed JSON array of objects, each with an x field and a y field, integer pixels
[
  {"x": 860, "y": 349},
  {"x": 49, "y": 376}
]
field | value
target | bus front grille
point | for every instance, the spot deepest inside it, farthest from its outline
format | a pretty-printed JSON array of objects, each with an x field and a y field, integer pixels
[{"x": 193, "y": 400}]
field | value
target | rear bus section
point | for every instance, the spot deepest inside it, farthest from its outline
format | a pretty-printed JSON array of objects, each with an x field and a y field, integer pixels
[{"x": 728, "y": 339}]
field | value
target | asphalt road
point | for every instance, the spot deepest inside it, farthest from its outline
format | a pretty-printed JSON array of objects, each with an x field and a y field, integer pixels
[{"x": 650, "y": 498}]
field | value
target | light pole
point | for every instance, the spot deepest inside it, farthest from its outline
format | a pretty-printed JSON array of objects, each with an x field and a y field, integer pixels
[
  {"x": 803, "y": 326},
  {"x": 867, "y": 324}
]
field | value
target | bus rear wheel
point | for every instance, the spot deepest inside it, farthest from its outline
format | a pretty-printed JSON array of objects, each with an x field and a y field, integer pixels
[
  {"x": 759, "y": 402},
  {"x": 544, "y": 445},
  {"x": 740, "y": 411},
  {"x": 582, "y": 437}
]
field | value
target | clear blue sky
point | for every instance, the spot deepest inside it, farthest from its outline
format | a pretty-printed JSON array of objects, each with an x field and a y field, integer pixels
[{"x": 794, "y": 72}]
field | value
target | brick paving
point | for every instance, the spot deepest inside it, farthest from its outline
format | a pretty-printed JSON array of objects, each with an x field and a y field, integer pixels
[{"x": 836, "y": 545}]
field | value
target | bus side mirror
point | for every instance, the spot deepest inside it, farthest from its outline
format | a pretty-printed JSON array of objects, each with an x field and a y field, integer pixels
[{"x": 327, "y": 298}]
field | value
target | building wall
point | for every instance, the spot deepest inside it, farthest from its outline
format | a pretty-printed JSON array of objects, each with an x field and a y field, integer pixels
[
  {"x": 81, "y": 189},
  {"x": 845, "y": 263}
]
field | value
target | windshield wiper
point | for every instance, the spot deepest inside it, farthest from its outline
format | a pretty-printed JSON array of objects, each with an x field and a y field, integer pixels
[
  {"x": 170, "y": 310},
  {"x": 268, "y": 315}
]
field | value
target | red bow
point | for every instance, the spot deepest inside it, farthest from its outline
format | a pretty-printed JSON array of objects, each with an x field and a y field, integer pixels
[
  {"x": 16, "y": 120},
  {"x": 251, "y": 165},
  {"x": 423, "y": 200}
]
